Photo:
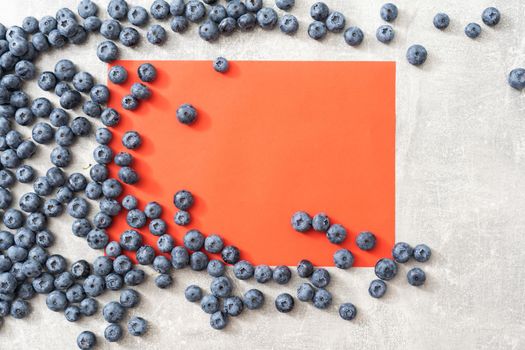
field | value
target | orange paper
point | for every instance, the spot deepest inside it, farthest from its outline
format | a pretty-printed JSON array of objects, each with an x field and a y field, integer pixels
[{"x": 271, "y": 138}]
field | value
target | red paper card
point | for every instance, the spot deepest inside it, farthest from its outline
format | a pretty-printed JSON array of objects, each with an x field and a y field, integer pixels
[{"x": 271, "y": 138}]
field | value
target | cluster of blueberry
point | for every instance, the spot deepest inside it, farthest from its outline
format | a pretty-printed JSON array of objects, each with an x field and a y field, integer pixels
[{"x": 119, "y": 75}]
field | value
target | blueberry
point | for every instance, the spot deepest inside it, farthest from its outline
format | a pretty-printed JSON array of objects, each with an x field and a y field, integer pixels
[
  {"x": 343, "y": 259},
  {"x": 134, "y": 277},
  {"x": 122, "y": 264},
  {"x": 107, "y": 51},
  {"x": 138, "y": 16},
  {"x": 233, "y": 306},
  {"x": 111, "y": 188},
  {"x": 385, "y": 269},
  {"x": 87, "y": 8},
  {"x": 253, "y": 5},
  {"x": 70, "y": 99},
  {"x": 130, "y": 240},
  {"x": 8, "y": 61},
  {"x": 5, "y": 308},
  {"x": 110, "y": 29},
  {"x": 156, "y": 34},
  {"x": 13, "y": 82},
  {"x": 102, "y": 266},
  {"x": 97, "y": 239},
  {"x": 180, "y": 257},
  {"x": 117, "y": 9},
  {"x": 113, "y": 332},
  {"x": 209, "y": 31},
  {"x": 289, "y": 24},
  {"x": 335, "y": 22},
  {"x": 183, "y": 200},
  {"x": 385, "y": 34},
  {"x": 319, "y": 11},
  {"x": 161, "y": 264},
  {"x": 416, "y": 277},
  {"x": 216, "y": 268},
  {"x": 366, "y": 240},
  {"x": 267, "y": 18},
  {"x": 81, "y": 227},
  {"x": 78, "y": 208},
  {"x": 113, "y": 312},
  {"x": 322, "y": 298},
  {"x": 58, "y": 117},
  {"x": 163, "y": 281},
  {"x": 92, "y": 109},
  {"x": 99, "y": 93},
  {"x": 47, "y": 24},
  {"x": 13, "y": 218},
  {"x": 43, "y": 284},
  {"x": 110, "y": 206},
  {"x": 25, "y": 291},
  {"x": 36, "y": 222},
  {"x": 17, "y": 254},
  {"x": 7, "y": 239},
  {"x": 153, "y": 210},
  {"x": 193, "y": 293},
  {"x": 253, "y": 299},
  {"x": 83, "y": 81},
  {"x": 140, "y": 91},
  {"x": 284, "y": 303},
  {"x": 217, "y": 13},
  {"x": 193, "y": 240},
  {"x": 247, "y": 22},
  {"x": 6, "y": 198},
  {"x": 137, "y": 326},
  {"x": 198, "y": 261},
  {"x": 320, "y": 278},
  {"x": 416, "y": 55},
  {"x": 301, "y": 221},
  {"x": 147, "y": 72},
  {"x": 64, "y": 281},
  {"x": 20, "y": 309},
  {"x": 110, "y": 117},
  {"x": 243, "y": 270},
  {"x": 227, "y": 26},
  {"x": 402, "y": 252},
  {"x": 281, "y": 274},
  {"x": 92, "y": 24},
  {"x": 377, "y": 288},
  {"x": 52, "y": 208},
  {"x": 131, "y": 139},
  {"x": 86, "y": 340},
  {"x": 88, "y": 306},
  {"x": 113, "y": 249},
  {"x": 75, "y": 293},
  {"x": 491, "y": 16},
  {"x": 388, "y": 12},
  {"x": 230, "y": 254},
  {"x": 305, "y": 292},
  {"x": 145, "y": 255},
  {"x": 129, "y": 36},
  {"x": 24, "y": 174},
  {"x": 336, "y": 234},
  {"x": 123, "y": 159},
  {"x": 45, "y": 239},
  {"x": 195, "y": 11},
  {"x": 160, "y": 9},
  {"x": 219, "y": 320},
  {"x": 56, "y": 301},
  {"x": 136, "y": 218},
  {"x": 177, "y": 7},
  {"x": 94, "y": 285},
  {"x": 347, "y": 311},
  {"x": 213, "y": 244},
  {"x": 129, "y": 202},
  {"x": 182, "y": 218},
  {"x": 24, "y": 116},
  {"x": 129, "y": 298},
  {"x": 18, "y": 46},
  {"x": 9, "y": 159},
  {"x": 47, "y": 81},
  {"x": 114, "y": 281},
  {"x": 165, "y": 243},
  {"x": 77, "y": 182},
  {"x": 81, "y": 126},
  {"x": 7, "y": 283},
  {"x": 285, "y": 5},
  {"x": 179, "y": 24},
  {"x": 472, "y": 30},
  {"x": 263, "y": 273},
  {"x": 80, "y": 269},
  {"x": 422, "y": 253},
  {"x": 221, "y": 287},
  {"x": 441, "y": 21},
  {"x": 98, "y": 172}
]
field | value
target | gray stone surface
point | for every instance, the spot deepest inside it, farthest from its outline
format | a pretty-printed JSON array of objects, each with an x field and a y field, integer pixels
[{"x": 460, "y": 162}]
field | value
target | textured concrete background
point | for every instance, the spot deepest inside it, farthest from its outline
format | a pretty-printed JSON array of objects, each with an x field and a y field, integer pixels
[{"x": 460, "y": 160}]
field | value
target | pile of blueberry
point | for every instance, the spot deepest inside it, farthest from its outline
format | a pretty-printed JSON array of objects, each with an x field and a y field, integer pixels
[{"x": 26, "y": 266}]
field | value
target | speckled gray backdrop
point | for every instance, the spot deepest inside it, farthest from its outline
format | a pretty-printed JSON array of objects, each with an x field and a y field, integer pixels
[{"x": 460, "y": 164}]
